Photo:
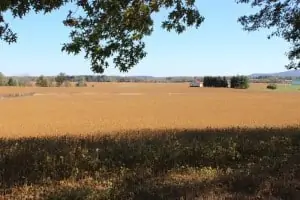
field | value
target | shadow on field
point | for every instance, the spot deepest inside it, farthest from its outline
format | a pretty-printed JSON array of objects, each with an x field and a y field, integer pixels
[{"x": 236, "y": 163}]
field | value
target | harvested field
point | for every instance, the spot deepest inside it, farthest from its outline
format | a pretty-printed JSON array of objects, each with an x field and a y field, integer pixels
[
  {"x": 153, "y": 143},
  {"x": 131, "y": 106}
]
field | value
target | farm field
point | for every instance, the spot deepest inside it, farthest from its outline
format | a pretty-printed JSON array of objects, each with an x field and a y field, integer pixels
[
  {"x": 111, "y": 107},
  {"x": 149, "y": 141}
]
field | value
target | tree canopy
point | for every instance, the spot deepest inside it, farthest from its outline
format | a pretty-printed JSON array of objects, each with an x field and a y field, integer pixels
[
  {"x": 283, "y": 17},
  {"x": 60, "y": 79},
  {"x": 114, "y": 29}
]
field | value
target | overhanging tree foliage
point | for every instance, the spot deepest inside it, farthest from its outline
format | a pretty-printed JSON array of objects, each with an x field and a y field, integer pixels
[
  {"x": 283, "y": 16},
  {"x": 115, "y": 29},
  {"x": 107, "y": 29}
]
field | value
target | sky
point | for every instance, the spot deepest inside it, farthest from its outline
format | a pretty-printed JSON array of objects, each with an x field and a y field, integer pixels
[{"x": 218, "y": 47}]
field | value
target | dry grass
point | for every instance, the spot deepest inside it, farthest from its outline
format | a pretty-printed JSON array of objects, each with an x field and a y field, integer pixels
[
  {"x": 159, "y": 164},
  {"x": 122, "y": 106},
  {"x": 149, "y": 141}
]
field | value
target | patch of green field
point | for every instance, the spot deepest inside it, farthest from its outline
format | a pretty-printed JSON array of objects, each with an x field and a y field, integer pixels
[
  {"x": 288, "y": 88},
  {"x": 280, "y": 88}
]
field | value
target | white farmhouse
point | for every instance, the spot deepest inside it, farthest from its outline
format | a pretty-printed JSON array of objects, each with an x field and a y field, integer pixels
[{"x": 196, "y": 83}]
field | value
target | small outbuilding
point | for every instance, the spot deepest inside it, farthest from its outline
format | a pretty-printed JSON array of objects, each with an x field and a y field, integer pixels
[{"x": 196, "y": 83}]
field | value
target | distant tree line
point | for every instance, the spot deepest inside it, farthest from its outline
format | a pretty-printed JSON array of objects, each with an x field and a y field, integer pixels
[
  {"x": 218, "y": 81},
  {"x": 238, "y": 82},
  {"x": 11, "y": 81},
  {"x": 64, "y": 80},
  {"x": 61, "y": 80},
  {"x": 271, "y": 79}
]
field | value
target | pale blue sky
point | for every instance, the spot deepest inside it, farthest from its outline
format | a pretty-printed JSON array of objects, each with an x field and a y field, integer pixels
[{"x": 218, "y": 47}]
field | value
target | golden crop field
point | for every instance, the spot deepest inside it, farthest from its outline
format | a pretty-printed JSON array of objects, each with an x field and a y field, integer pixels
[
  {"x": 109, "y": 107},
  {"x": 161, "y": 146}
]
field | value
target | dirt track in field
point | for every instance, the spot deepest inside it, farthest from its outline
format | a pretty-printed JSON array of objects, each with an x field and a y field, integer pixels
[{"x": 121, "y": 106}]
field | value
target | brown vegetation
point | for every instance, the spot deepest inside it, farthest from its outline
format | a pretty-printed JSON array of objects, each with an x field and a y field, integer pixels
[
  {"x": 149, "y": 141},
  {"x": 154, "y": 164},
  {"x": 123, "y": 106}
]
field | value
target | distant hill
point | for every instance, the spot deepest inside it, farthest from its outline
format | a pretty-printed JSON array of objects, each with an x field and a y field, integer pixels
[{"x": 290, "y": 73}]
